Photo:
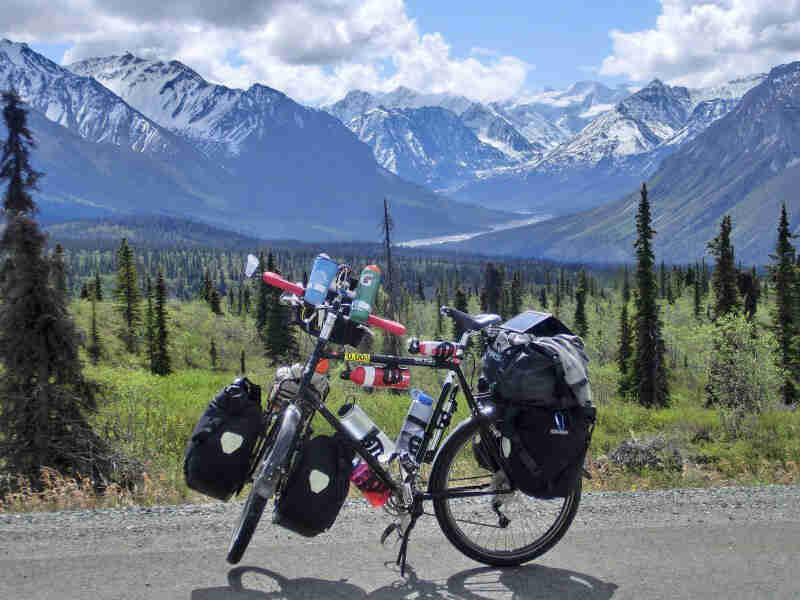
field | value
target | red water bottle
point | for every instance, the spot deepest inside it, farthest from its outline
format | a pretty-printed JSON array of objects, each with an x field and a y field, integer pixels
[
  {"x": 397, "y": 378},
  {"x": 375, "y": 491}
]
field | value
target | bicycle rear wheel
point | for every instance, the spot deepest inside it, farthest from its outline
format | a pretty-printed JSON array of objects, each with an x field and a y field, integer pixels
[{"x": 499, "y": 529}]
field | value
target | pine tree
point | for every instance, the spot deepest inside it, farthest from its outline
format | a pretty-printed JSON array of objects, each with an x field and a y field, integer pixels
[
  {"x": 95, "y": 348},
  {"x": 723, "y": 280},
  {"x": 44, "y": 398},
  {"x": 460, "y": 304},
  {"x": 784, "y": 316},
  {"x": 161, "y": 359},
  {"x": 581, "y": 326},
  {"x": 59, "y": 271},
  {"x": 649, "y": 373},
  {"x": 127, "y": 295},
  {"x": 149, "y": 325},
  {"x": 98, "y": 287},
  {"x": 515, "y": 306}
]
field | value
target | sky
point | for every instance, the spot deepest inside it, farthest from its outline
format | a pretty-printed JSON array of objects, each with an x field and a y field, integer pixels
[{"x": 318, "y": 50}]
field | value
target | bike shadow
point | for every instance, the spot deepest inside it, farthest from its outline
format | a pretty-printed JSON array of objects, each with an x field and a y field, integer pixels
[{"x": 483, "y": 583}]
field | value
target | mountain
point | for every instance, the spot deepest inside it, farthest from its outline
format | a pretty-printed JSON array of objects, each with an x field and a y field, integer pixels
[
  {"x": 429, "y": 145},
  {"x": 489, "y": 127},
  {"x": 156, "y": 137},
  {"x": 745, "y": 163},
  {"x": 609, "y": 156}
]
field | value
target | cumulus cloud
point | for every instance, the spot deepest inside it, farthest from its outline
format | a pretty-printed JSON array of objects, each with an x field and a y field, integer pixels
[
  {"x": 314, "y": 50},
  {"x": 707, "y": 42}
]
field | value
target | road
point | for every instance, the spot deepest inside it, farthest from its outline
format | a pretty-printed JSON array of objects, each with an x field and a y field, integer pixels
[{"x": 687, "y": 545}]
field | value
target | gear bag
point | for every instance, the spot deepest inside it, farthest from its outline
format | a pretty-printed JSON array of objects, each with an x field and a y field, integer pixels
[
  {"x": 544, "y": 449},
  {"x": 317, "y": 487},
  {"x": 547, "y": 372},
  {"x": 287, "y": 382},
  {"x": 225, "y": 441}
]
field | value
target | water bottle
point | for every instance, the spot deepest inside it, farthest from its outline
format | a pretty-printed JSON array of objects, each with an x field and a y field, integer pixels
[
  {"x": 419, "y": 413},
  {"x": 361, "y": 427},
  {"x": 368, "y": 284},
  {"x": 322, "y": 275},
  {"x": 397, "y": 378},
  {"x": 375, "y": 491},
  {"x": 431, "y": 348}
]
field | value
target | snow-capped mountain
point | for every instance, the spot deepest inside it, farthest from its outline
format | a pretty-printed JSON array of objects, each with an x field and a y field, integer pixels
[
  {"x": 489, "y": 126},
  {"x": 79, "y": 103},
  {"x": 252, "y": 160},
  {"x": 613, "y": 153},
  {"x": 429, "y": 145},
  {"x": 744, "y": 163}
]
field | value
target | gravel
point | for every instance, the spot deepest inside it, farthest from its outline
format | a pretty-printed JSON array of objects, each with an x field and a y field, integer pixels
[{"x": 598, "y": 511}]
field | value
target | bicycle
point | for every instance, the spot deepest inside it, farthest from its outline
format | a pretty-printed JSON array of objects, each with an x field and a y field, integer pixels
[{"x": 473, "y": 502}]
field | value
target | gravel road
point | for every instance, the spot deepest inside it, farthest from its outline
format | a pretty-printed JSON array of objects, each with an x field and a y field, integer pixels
[{"x": 734, "y": 542}]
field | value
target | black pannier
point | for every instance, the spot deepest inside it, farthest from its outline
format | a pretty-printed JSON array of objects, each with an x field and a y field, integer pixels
[
  {"x": 220, "y": 452},
  {"x": 317, "y": 487},
  {"x": 544, "y": 449}
]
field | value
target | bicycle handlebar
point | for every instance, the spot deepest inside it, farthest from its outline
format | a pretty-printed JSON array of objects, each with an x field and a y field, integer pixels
[{"x": 277, "y": 281}]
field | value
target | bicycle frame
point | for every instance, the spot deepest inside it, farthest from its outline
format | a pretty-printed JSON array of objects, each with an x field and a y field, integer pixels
[{"x": 452, "y": 365}]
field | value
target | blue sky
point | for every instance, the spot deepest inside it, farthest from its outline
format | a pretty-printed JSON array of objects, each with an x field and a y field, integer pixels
[
  {"x": 564, "y": 41},
  {"x": 317, "y": 50}
]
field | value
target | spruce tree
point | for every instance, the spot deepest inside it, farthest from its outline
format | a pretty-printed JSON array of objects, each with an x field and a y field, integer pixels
[
  {"x": 698, "y": 298},
  {"x": 625, "y": 350},
  {"x": 127, "y": 295},
  {"x": 543, "y": 297},
  {"x": 242, "y": 366},
  {"x": 459, "y": 304},
  {"x": 784, "y": 315},
  {"x": 150, "y": 325},
  {"x": 45, "y": 400},
  {"x": 649, "y": 373},
  {"x": 161, "y": 359},
  {"x": 493, "y": 285},
  {"x": 724, "y": 276},
  {"x": 212, "y": 353},
  {"x": 59, "y": 271},
  {"x": 95, "y": 348},
  {"x": 581, "y": 326},
  {"x": 264, "y": 298},
  {"x": 516, "y": 295},
  {"x": 98, "y": 287},
  {"x": 84, "y": 294},
  {"x": 214, "y": 301}
]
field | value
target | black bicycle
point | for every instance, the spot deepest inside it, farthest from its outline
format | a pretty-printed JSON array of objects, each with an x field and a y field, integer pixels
[{"x": 477, "y": 506}]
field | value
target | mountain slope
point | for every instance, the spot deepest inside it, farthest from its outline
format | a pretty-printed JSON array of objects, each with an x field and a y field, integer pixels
[
  {"x": 744, "y": 164},
  {"x": 251, "y": 159}
]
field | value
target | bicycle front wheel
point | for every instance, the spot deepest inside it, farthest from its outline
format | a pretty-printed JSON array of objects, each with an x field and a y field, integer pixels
[{"x": 498, "y": 529}]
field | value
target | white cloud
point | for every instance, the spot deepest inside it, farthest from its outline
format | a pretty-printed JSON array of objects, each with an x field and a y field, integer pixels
[
  {"x": 314, "y": 50},
  {"x": 705, "y": 42}
]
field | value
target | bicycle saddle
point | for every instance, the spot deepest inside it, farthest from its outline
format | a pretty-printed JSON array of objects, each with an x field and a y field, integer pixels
[{"x": 467, "y": 322}]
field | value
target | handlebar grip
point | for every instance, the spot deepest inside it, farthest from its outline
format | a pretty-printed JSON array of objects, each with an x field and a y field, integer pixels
[
  {"x": 387, "y": 324},
  {"x": 277, "y": 281}
]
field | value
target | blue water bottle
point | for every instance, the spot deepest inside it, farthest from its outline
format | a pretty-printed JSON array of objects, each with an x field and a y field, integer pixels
[{"x": 322, "y": 275}]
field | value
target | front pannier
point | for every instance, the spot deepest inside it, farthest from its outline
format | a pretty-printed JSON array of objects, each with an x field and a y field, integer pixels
[
  {"x": 219, "y": 454},
  {"x": 317, "y": 487}
]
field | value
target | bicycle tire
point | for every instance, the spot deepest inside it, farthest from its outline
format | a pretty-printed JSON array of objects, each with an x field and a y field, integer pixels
[
  {"x": 280, "y": 444},
  {"x": 466, "y": 534}
]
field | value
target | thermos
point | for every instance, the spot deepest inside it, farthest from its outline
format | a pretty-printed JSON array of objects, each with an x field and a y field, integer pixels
[
  {"x": 367, "y": 288},
  {"x": 397, "y": 378},
  {"x": 413, "y": 431},
  {"x": 322, "y": 275},
  {"x": 361, "y": 427}
]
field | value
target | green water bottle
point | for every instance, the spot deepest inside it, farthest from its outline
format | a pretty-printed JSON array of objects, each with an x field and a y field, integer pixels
[{"x": 367, "y": 288}]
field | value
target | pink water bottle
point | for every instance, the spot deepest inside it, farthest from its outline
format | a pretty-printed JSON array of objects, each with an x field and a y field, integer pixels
[{"x": 375, "y": 491}]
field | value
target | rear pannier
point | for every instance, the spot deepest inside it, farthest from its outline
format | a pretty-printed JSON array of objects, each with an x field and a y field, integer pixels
[{"x": 224, "y": 442}]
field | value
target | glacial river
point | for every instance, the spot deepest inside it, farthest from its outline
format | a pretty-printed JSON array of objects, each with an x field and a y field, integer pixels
[{"x": 460, "y": 237}]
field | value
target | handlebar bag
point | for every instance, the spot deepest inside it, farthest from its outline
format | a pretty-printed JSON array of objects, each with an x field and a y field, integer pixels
[
  {"x": 544, "y": 449},
  {"x": 220, "y": 452},
  {"x": 317, "y": 487}
]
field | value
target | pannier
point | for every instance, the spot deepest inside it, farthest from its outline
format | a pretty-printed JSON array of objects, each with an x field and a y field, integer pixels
[
  {"x": 220, "y": 453},
  {"x": 317, "y": 486},
  {"x": 536, "y": 371}
]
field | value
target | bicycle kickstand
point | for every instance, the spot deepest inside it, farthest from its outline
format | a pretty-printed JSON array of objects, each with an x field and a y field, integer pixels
[{"x": 416, "y": 513}]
